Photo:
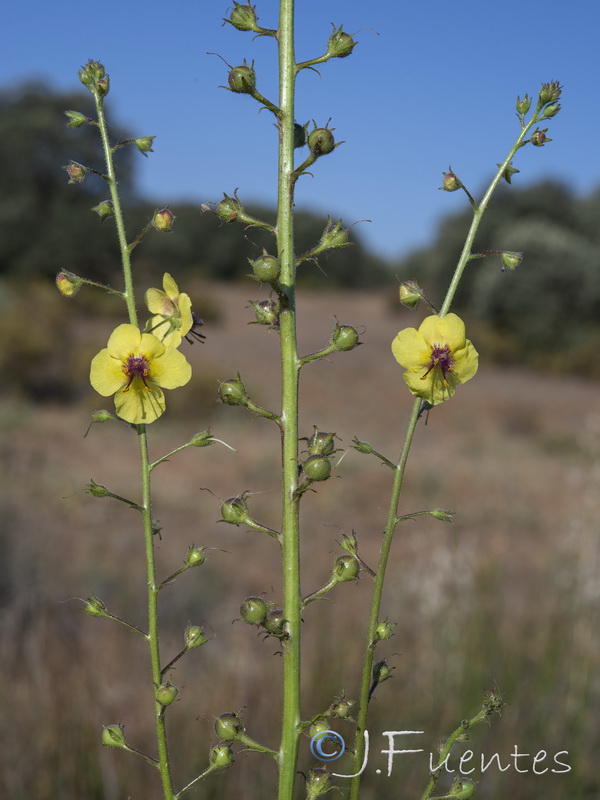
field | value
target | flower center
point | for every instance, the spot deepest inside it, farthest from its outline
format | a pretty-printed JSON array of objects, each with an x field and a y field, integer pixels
[
  {"x": 440, "y": 357},
  {"x": 136, "y": 367}
]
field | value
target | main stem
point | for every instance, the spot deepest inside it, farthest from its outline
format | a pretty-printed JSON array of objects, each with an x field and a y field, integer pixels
[{"x": 290, "y": 729}]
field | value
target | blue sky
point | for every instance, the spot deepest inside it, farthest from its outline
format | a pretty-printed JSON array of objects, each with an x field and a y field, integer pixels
[{"x": 430, "y": 84}]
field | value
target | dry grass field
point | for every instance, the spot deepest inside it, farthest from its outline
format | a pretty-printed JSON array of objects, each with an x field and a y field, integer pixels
[{"x": 509, "y": 594}]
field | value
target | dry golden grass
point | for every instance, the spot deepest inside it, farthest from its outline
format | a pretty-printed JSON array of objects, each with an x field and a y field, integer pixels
[{"x": 508, "y": 594}]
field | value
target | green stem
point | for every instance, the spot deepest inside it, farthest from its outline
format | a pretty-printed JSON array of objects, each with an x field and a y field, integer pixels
[
  {"x": 478, "y": 212},
  {"x": 153, "y": 640},
  {"x": 146, "y": 506},
  {"x": 388, "y": 536},
  {"x": 290, "y": 727},
  {"x": 118, "y": 212}
]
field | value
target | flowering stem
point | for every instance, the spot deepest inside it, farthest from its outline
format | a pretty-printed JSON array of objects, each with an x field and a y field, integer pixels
[
  {"x": 146, "y": 505},
  {"x": 290, "y": 366},
  {"x": 388, "y": 535},
  {"x": 478, "y": 212},
  {"x": 118, "y": 212}
]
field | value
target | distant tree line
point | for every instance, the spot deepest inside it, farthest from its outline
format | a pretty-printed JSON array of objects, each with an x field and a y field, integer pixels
[
  {"x": 46, "y": 224},
  {"x": 546, "y": 314}
]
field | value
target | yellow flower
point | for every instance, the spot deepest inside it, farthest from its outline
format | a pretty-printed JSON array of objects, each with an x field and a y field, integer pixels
[
  {"x": 437, "y": 357},
  {"x": 134, "y": 366},
  {"x": 172, "y": 311}
]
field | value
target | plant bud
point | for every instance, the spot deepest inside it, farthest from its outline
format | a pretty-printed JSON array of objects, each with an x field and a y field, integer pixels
[
  {"x": 102, "y": 416},
  {"x": 265, "y": 268},
  {"x": 91, "y": 73},
  {"x": 493, "y": 703},
  {"x": 163, "y": 220},
  {"x": 195, "y": 557},
  {"x": 235, "y": 511},
  {"x": 450, "y": 183},
  {"x": 539, "y": 138},
  {"x": 95, "y": 607},
  {"x": 102, "y": 86},
  {"x": 342, "y": 708},
  {"x": 228, "y": 209},
  {"x": 550, "y": 92},
  {"x": 242, "y": 79},
  {"x": 523, "y": 105},
  {"x": 384, "y": 630},
  {"x": 194, "y": 636},
  {"x": 340, "y": 44},
  {"x": 345, "y": 568},
  {"x": 229, "y": 726},
  {"x": 444, "y": 516},
  {"x": 318, "y": 782},
  {"x": 97, "y": 490},
  {"x": 362, "y": 447},
  {"x": 551, "y": 111},
  {"x": 267, "y": 312},
  {"x": 344, "y": 337},
  {"x": 509, "y": 171},
  {"x": 254, "y": 610},
  {"x": 243, "y": 17},
  {"x": 76, "y": 119},
  {"x": 68, "y": 284},
  {"x": 202, "y": 439},
  {"x": 232, "y": 392},
  {"x": 381, "y": 672},
  {"x": 166, "y": 693},
  {"x": 350, "y": 543},
  {"x": 321, "y": 141},
  {"x": 317, "y": 468},
  {"x": 221, "y": 756},
  {"x": 321, "y": 443},
  {"x": 410, "y": 294},
  {"x": 318, "y": 726},
  {"x": 113, "y": 736},
  {"x": 144, "y": 143},
  {"x": 334, "y": 237},
  {"x": 275, "y": 623},
  {"x": 104, "y": 210},
  {"x": 462, "y": 788},
  {"x": 76, "y": 172}
]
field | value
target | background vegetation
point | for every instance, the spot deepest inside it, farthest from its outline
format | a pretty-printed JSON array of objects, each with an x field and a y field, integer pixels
[{"x": 508, "y": 594}]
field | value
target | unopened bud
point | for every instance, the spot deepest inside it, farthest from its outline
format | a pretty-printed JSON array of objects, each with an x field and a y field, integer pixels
[
  {"x": 384, "y": 630},
  {"x": 243, "y": 17},
  {"x": 97, "y": 490},
  {"x": 76, "y": 119},
  {"x": 340, "y": 44},
  {"x": 232, "y": 392},
  {"x": 202, "y": 439},
  {"x": 267, "y": 312},
  {"x": 254, "y": 610},
  {"x": 333, "y": 237},
  {"x": 511, "y": 260},
  {"x": 195, "y": 557},
  {"x": 317, "y": 468},
  {"x": 95, "y": 607},
  {"x": 76, "y": 172},
  {"x": 235, "y": 511},
  {"x": 462, "y": 788},
  {"x": 523, "y": 105},
  {"x": 144, "y": 143},
  {"x": 321, "y": 443},
  {"x": 228, "y": 209},
  {"x": 194, "y": 637},
  {"x": 450, "y": 182},
  {"x": 344, "y": 337},
  {"x": 221, "y": 756},
  {"x": 68, "y": 284},
  {"x": 321, "y": 141},
  {"x": 229, "y": 726},
  {"x": 113, "y": 736},
  {"x": 265, "y": 268},
  {"x": 410, "y": 294},
  {"x": 444, "y": 516},
  {"x": 104, "y": 210},
  {"x": 163, "y": 220},
  {"x": 166, "y": 693},
  {"x": 345, "y": 568},
  {"x": 552, "y": 111},
  {"x": 318, "y": 782},
  {"x": 550, "y": 92},
  {"x": 539, "y": 138},
  {"x": 242, "y": 79}
]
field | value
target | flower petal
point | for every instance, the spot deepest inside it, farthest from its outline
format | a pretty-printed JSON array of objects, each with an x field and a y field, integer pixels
[
  {"x": 170, "y": 287},
  {"x": 140, "y": 403},
  {"x": 411, "y": 350},
  {"x": 158, "y": 302},
  {"x": 123, "y": 341},
  {"x": 106, "y": 373},
  {"x": 171, "y": 369},
  {"x": 448, "y": 330}
]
